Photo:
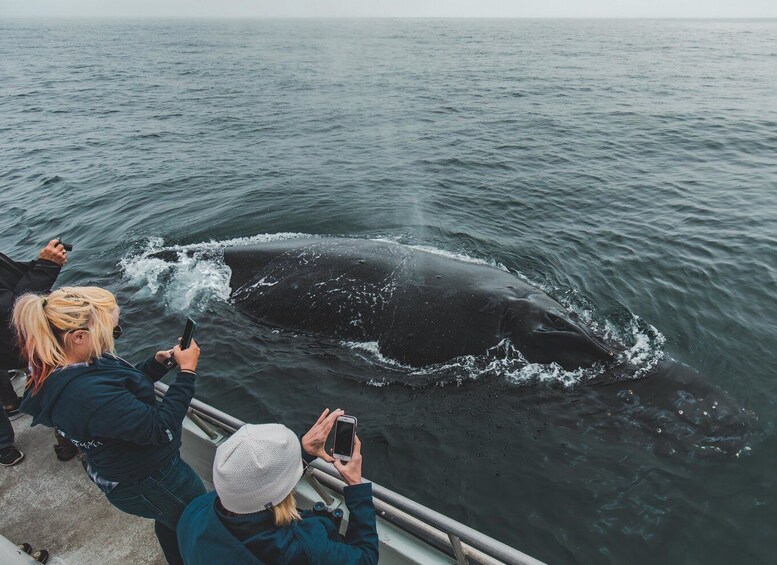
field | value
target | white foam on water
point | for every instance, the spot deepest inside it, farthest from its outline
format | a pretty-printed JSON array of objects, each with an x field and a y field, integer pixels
[
  {"x": 378, "y": 383},
  {"x": 552, "y": 374},
  {"x": 238, "y": 241},
  {"x": 444, "y": 253},
  {"x": 458, "y": 256},
  {"x": 189, "y": 283},
  {"x": 502, "y": 360},
  {"x": 746, "y": 450},
  {"x": 144, "y": 270},
  {"x": 648, "y": 348},
  {"x": 264, "y": 282},
  {"x": 644, "y": 343},
  {"x": 372, "y": 349},
  {"x": 199, "y": 274}
]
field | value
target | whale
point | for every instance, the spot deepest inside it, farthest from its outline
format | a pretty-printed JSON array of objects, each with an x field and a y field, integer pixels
[
  {"x": 425, "y": 308},
  {"x": 422, "y": 308}
]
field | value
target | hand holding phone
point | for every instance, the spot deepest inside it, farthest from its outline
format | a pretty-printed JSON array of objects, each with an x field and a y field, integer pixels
[
  {"x": 351, "y": 472},
  {"x": 186, "y": 340},
  {"x": 187, "y": 358},
  {"x": 314, "y": 441}
]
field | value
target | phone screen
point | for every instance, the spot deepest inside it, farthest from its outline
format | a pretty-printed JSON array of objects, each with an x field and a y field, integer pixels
[
  {"x": 188, "y": 332},
  {"x": 344, "y": 438}
]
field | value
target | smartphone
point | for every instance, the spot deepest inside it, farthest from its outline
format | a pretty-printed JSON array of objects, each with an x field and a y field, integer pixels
[
  {"x": 345, "y": 431},
  {"x": 186, "y": 340},
  {"x": 188, "y": 333}
]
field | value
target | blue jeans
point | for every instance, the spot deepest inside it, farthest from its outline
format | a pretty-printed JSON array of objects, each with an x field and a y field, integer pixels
[
  {"x": 162, "y": 496},
  {"x": 6, "y": 430}
]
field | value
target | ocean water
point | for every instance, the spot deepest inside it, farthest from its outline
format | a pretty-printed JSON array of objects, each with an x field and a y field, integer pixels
[{"x": 628, "y": 168}]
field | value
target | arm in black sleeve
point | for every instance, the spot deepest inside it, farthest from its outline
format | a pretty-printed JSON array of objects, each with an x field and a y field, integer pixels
[
  {"x": 152, "y": 369},
  {"x": 39, "y": 276},
  {"x": 128, "y": 418},
  {"x": 7, "y": 298}
]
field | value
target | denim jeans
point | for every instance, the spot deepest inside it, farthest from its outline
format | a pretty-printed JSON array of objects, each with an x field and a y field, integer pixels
[
  {"x": 6, "y": 430},
  {"x": 162, "y": 496}
]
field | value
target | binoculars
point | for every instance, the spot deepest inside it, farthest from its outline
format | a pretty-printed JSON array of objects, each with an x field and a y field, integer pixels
[
  {"x": 67, "y": 246},
  {"x": 335, "y": 514}
]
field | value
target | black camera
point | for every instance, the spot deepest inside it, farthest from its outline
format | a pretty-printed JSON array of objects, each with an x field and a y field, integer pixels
[
  {"x": 335, "y": 514},
  {"x": 67, "y": 246}
]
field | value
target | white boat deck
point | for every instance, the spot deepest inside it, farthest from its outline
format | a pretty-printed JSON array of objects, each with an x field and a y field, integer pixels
[{"x": 53, "y": 505}]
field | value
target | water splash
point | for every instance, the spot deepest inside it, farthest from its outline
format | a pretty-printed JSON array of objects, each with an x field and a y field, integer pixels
[{"x": 191, "y": 282}]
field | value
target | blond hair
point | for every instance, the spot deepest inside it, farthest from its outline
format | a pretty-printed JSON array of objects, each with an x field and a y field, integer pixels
[
  {"x": 41, "y": 323},
  {"x": 286, "y": 512}
]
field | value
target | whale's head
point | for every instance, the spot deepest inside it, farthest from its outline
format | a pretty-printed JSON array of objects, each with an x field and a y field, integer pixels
[
  {"x": 545, "y": 332},
  {"x": 673, "y": 409}
]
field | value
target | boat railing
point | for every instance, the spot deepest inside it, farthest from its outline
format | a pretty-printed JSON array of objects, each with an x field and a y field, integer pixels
[{"x": 461, "y": 542}]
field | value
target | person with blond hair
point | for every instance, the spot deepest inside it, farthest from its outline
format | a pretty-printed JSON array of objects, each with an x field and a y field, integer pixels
[
  {"x": 252, "y": 517},
  {"x": 107, "y": 407}
]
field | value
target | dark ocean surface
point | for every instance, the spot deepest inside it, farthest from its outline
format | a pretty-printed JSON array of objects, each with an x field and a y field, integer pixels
[{"x": 628, "y": 168}]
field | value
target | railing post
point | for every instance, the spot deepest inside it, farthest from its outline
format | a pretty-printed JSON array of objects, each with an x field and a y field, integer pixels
[
  {"x": 458, "y": 550},
  {"x": 200, "y": 423}
]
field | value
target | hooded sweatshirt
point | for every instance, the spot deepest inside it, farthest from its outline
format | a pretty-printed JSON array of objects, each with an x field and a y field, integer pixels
[
  {"x": 15, "y": 280},
  {"x": 108, "y": 409},
  {"x": 207, "y": 535}
]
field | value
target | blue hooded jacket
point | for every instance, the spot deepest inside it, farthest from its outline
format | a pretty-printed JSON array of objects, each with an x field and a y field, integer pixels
[
  {"x": 207, "y": 536},
  {"x": 108, "y": 409}
]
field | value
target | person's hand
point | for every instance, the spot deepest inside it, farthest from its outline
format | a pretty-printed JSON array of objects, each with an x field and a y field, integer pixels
[
  {"x": 314, "y": 441},
  {"x": 187, "y": 358},
  {"x": 351, "y": 471},
  {"x": 54, "y": 252},
  {"x": 161, "y": 357}
]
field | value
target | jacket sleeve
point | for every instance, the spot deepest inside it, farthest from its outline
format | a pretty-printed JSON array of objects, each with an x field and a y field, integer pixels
[
  {"x": 7, "y": 298},
  {"x": 39, "y": 276},
  {"x": 152, "y": 369},
  {"x": 128, "y": 418},
  {"x": 361, "y": 538}
]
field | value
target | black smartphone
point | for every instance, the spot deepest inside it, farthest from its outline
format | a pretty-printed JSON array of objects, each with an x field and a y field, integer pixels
[
  {"x": 345, "y": 431},
  {"x": 186, "y": 341},
  {"x": 188, "y": 333}
]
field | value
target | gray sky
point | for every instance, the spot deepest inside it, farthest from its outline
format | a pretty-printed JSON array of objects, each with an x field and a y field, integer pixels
[{"x": 391, "y": 8}]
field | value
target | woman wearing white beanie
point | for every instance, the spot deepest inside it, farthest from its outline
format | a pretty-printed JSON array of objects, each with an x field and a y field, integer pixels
[{"x": 252, "y": 517}]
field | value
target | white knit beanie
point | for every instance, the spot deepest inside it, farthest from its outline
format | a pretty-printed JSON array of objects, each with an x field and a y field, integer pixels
[{"x": 257, "y": 467}]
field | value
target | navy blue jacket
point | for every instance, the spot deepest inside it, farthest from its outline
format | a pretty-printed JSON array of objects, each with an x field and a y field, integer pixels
[
  {"x": 207, "y": 536},
  {"x": 16, "y": 279},
  {"x": 108, "y": 409}
]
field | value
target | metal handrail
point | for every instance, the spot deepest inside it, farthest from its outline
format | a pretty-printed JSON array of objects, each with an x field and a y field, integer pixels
[{"x": 449, "y": 526}]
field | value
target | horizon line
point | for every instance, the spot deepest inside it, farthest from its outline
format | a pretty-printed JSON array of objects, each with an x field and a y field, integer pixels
[{"x": 297, "y": 17}]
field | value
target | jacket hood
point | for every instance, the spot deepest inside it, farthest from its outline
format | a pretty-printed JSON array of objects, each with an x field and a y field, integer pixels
[{"x": 40, "y": 405}]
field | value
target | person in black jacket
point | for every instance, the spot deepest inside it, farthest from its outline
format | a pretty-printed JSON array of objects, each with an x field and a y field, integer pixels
[
  {"x": 16, "y": 279},
  {"x": 108, "y": 407}
]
